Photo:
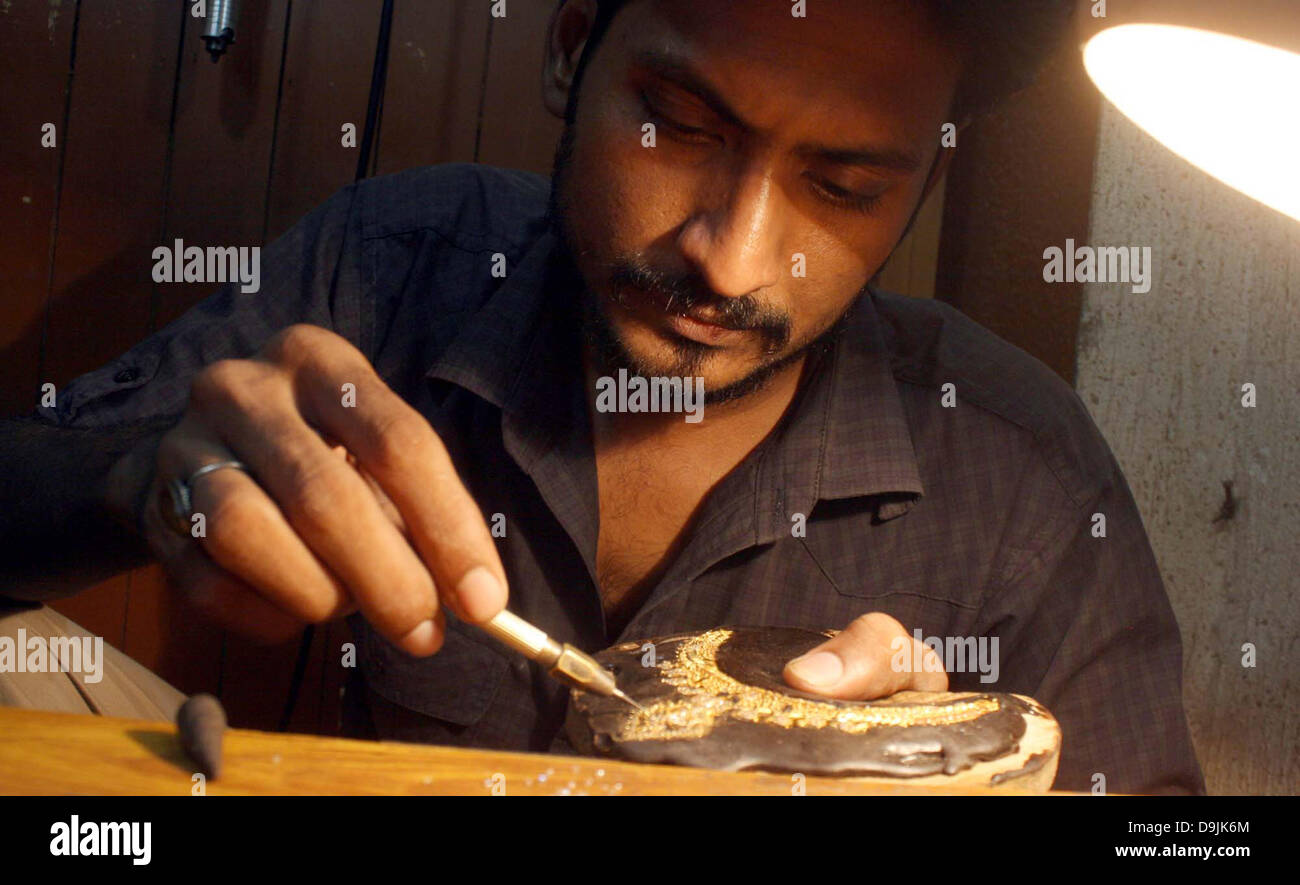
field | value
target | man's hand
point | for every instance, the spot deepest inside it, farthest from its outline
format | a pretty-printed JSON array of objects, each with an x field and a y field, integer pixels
[
  {"x": 860, "y": 662},
  {"x": 307, "y": 535}
]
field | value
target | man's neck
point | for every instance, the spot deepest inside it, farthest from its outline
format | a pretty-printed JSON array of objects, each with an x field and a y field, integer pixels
[{"x": 726, "y": 429}]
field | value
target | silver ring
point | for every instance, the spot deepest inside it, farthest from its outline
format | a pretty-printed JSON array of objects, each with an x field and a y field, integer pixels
[
  {"x": 215, "y": 465},
  {"x": 179, "y": 515}
]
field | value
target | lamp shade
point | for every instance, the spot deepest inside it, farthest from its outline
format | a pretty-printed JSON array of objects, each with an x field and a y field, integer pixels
[{"x": 1217, "y": 82}]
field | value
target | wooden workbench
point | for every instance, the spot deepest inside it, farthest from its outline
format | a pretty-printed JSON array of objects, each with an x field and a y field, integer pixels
[{"x": 44, "y": 753}]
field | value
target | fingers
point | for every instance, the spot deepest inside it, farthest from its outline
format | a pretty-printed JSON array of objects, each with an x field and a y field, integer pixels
[
  {"x": 396, "y": 447},
  {"x": 248, "y": 536},
  {"x": 225, "y": 600},
  {"x": 874, "y": 657},
  {"x": 385, "y": 503},
  {"x": 250, "y": 407},
  {"x": 375, "y": 518}
]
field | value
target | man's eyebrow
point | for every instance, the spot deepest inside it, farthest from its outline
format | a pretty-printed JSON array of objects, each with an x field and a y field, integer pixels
[
  {"x": 892, "y": 159},
  {"x": 676, "y": 70}
]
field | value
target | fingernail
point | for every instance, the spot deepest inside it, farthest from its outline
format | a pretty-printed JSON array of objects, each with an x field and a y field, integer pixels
[
  {"x": 422, "y": 640},
  {"x": 480, "y": 594},
  {"x": 818, "y": 668}
]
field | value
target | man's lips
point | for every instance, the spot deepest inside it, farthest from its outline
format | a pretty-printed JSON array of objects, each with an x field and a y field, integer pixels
[
  {"x": 696, "y": 325},
  {"x": 701, "y": 331}
]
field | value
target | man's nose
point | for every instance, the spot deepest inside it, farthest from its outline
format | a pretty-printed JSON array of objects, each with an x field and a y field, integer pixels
[{"x": 734, "y": 242}]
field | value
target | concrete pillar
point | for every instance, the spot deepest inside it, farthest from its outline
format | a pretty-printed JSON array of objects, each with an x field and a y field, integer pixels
[{"x": 1163, "y": 375}]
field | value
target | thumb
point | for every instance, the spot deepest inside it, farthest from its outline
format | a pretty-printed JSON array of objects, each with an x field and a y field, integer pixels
[{"x": 873, "y": 658}]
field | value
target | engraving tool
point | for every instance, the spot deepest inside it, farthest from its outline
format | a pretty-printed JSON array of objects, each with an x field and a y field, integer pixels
[{"x": 566, "y": 663}]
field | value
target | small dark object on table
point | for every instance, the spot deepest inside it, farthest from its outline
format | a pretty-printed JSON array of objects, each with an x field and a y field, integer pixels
[{"x": 202, "y": 723}]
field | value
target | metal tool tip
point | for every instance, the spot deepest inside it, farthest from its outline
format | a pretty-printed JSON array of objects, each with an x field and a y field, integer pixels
[{"x": 618, "y": 693}]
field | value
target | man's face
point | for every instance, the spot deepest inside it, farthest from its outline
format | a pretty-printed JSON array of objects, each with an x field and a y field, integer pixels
[{"x": 781, "y": 145}]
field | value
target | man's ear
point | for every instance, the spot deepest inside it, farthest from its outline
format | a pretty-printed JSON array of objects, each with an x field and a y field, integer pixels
[{"x": 566, "y": 38}]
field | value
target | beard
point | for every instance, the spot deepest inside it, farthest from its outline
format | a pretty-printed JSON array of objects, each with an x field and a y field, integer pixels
[{"x": 635, "y": 282}]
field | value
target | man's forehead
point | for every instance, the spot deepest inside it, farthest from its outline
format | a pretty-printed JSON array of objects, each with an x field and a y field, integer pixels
[
  {"x": 854, "y": 65},
  {"x": 680, "y": 71}
]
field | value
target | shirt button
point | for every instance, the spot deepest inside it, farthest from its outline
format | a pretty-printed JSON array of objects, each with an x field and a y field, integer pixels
[{"x": 127, "y": 375}]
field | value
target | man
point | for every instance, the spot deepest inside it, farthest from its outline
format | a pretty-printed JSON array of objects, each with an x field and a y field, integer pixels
[{"x": 730, "y": 178}]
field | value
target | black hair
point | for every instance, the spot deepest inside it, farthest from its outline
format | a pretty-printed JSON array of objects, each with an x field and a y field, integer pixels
[{"x": 1004, "y": 42}]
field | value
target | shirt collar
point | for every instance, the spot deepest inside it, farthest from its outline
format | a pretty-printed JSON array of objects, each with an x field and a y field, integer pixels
[
  {"x": 847, "y": 435},
  {"x": 869, "y": 443}
]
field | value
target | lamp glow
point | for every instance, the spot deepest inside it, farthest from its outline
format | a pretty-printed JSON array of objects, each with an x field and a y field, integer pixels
[{"x": 1228, "y": 105}]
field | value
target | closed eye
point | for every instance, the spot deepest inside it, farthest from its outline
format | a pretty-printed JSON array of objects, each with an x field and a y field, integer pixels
[
  {"x": 838, "y": 196},
  {"x": 661, "y": 119}
]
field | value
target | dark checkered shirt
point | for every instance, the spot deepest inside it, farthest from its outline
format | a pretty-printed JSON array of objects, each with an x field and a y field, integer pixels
[{"x": 973, "y": 518}]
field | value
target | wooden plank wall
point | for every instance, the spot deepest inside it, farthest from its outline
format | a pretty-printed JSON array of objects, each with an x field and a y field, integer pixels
[{"x": 155, "y": 141}]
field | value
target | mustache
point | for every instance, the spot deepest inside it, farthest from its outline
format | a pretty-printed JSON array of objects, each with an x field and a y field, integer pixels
[{"x": 635, "y": 280}]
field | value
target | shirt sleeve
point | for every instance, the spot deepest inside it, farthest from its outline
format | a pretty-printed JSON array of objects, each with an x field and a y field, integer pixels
[
  {"x": 1090, "y": 633},
  {"x": 314, "y": 274}
]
